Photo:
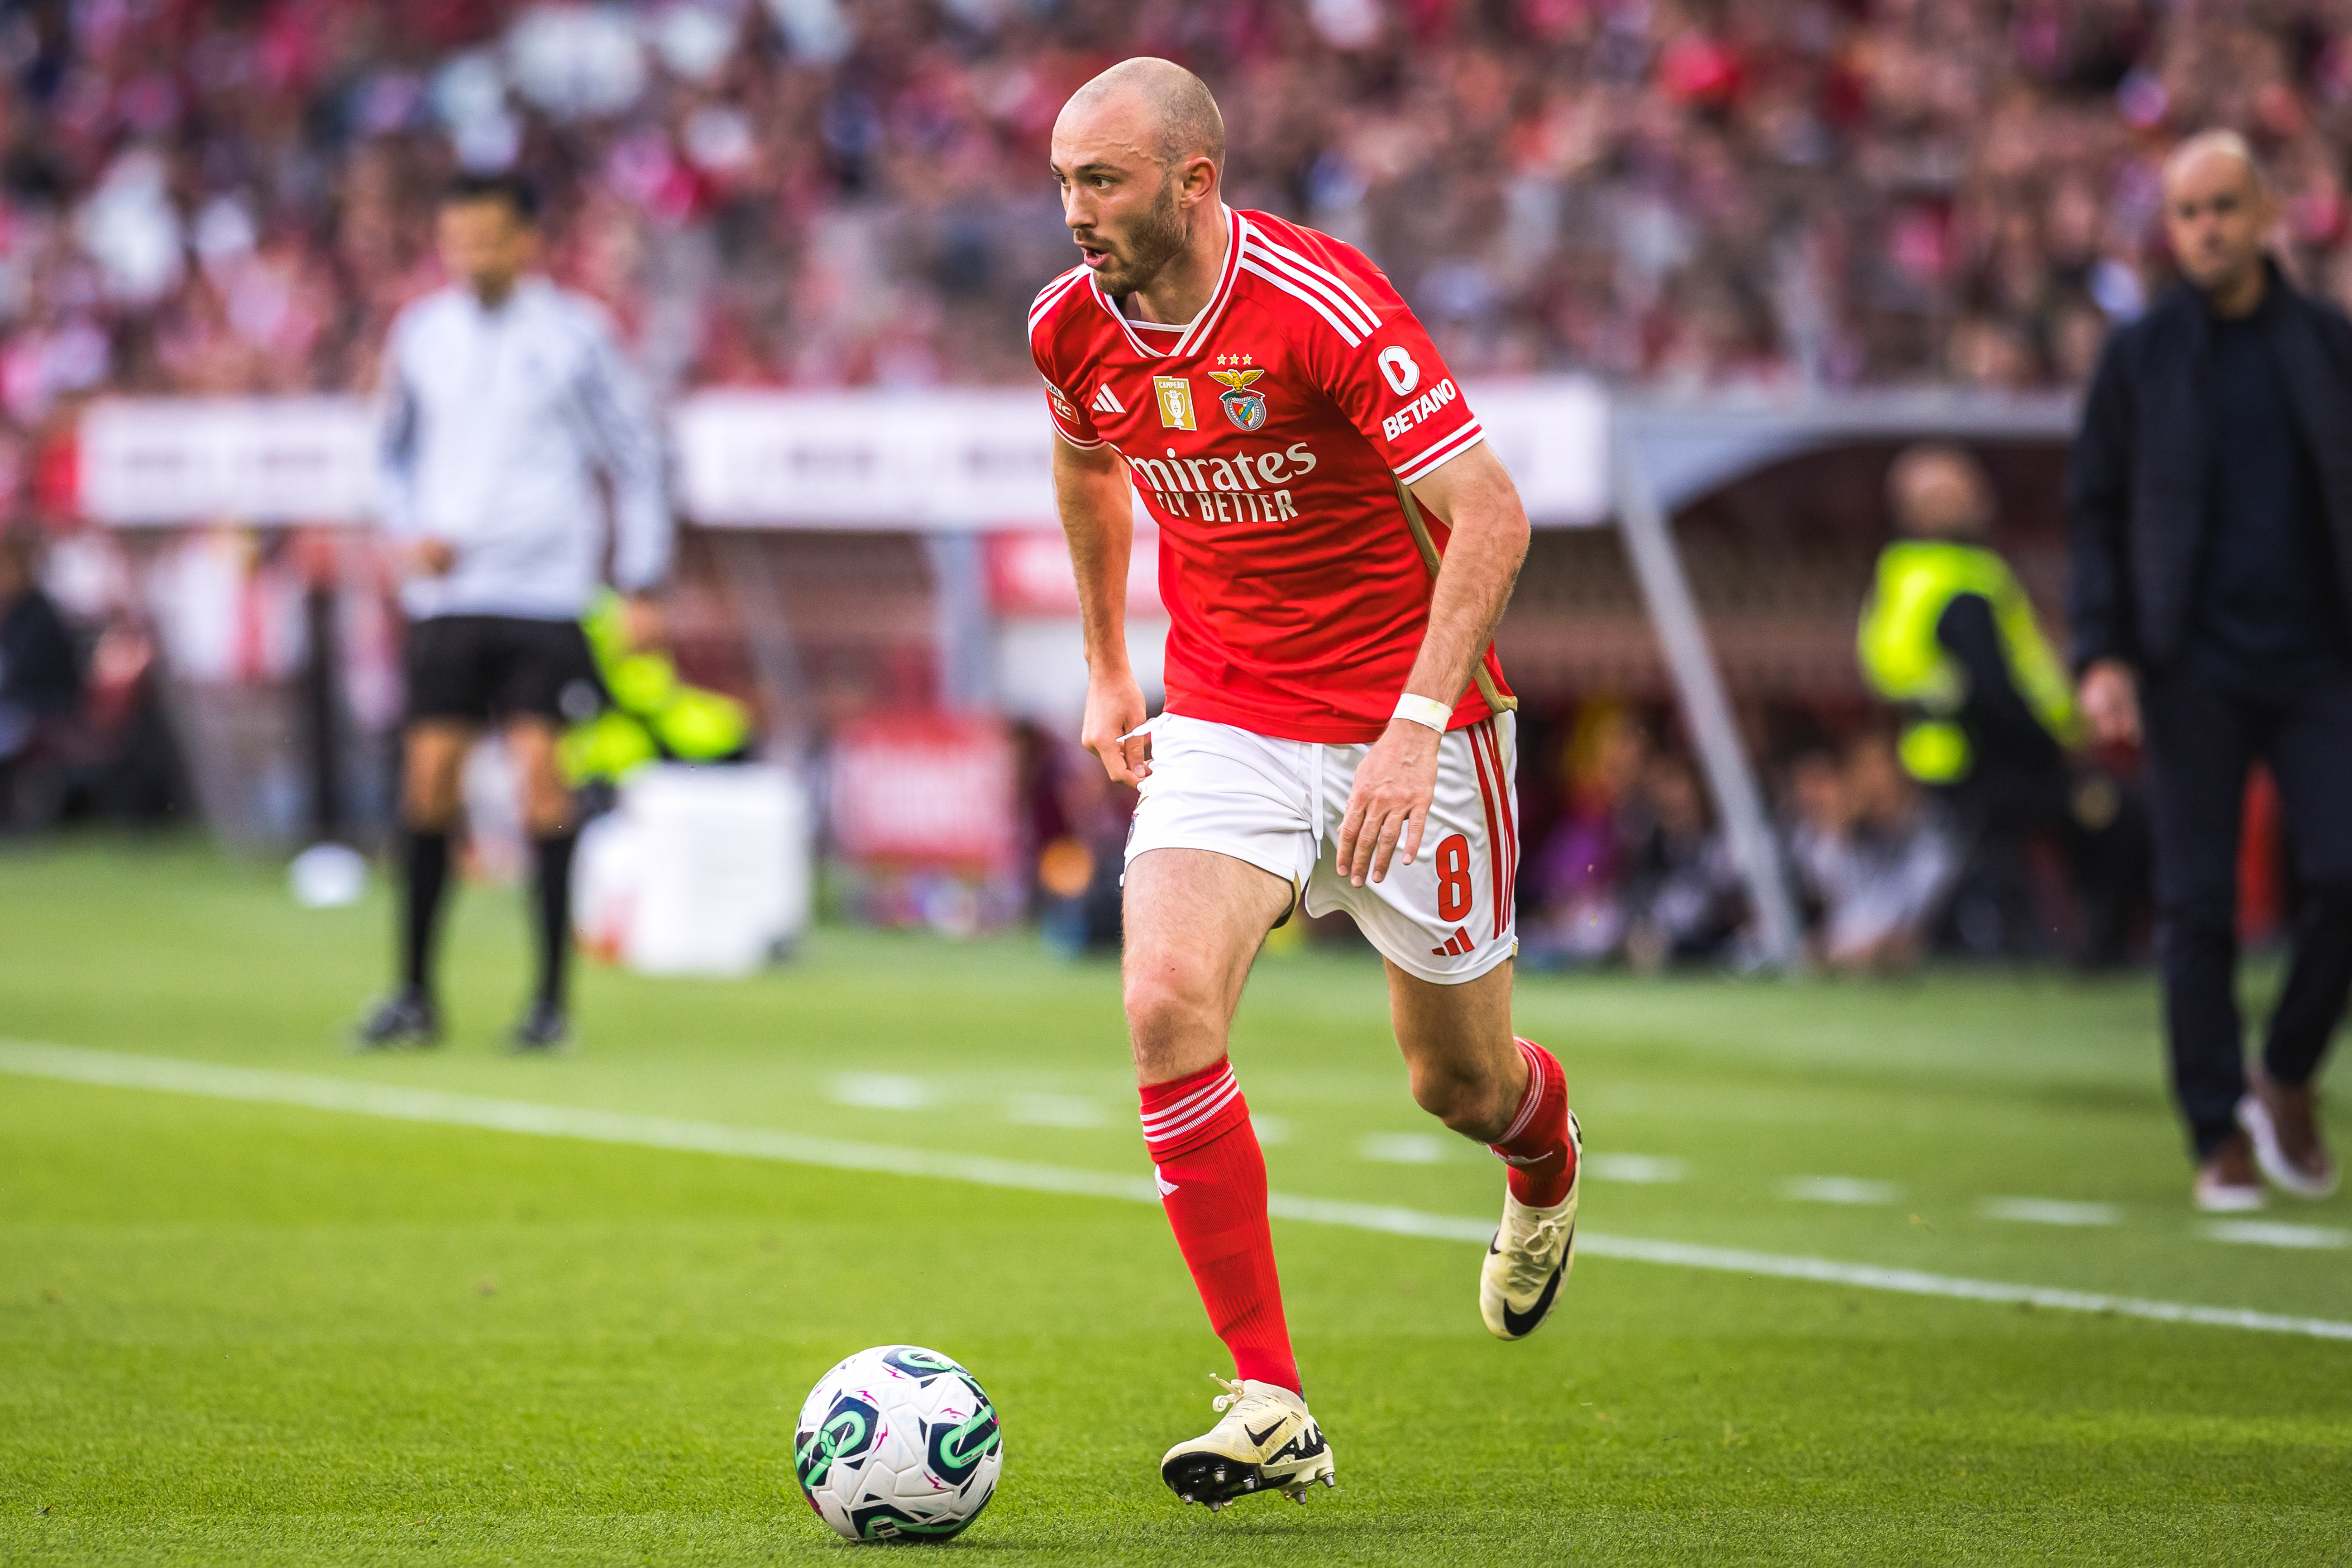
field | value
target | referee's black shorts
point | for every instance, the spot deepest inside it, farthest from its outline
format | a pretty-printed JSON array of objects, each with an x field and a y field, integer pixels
[{"x": 482, "y": 670}]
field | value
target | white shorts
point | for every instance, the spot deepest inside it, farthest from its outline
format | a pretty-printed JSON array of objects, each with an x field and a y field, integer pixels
[{"x": 1448, "y": 918}]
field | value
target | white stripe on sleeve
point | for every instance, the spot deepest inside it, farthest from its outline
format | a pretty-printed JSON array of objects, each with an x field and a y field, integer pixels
[{"x": 1444, "y": 452}]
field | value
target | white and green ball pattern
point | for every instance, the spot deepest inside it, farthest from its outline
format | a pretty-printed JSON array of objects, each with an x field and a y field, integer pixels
[{"x": 897, "y": 1442}]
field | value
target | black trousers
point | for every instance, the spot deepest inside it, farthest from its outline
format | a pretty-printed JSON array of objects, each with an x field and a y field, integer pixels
[
  {"x": 2203, "y": 736},
  {"x": 2002, "y": 808}
]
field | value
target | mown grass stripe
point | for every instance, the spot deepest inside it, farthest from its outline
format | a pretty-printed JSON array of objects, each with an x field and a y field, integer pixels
[{"x": 76, "y": 1063}]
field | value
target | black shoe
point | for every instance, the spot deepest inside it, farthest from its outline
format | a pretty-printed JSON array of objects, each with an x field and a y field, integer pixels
[
  {"x": 543, "y": 1031},
  {"x": 406, "y": 1020}
]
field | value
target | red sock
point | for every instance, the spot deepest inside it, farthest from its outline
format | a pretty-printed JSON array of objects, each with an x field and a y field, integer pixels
[
  {"x": 1536, "y": 1147},
  {"x": 1213, "y": 1185}
]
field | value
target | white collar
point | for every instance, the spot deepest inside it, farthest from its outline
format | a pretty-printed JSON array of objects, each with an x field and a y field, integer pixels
[{"x": 1193, "y": 331}]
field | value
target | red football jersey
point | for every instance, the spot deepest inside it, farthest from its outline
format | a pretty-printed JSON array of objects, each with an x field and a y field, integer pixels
[{"x": 1267, "y": 436}]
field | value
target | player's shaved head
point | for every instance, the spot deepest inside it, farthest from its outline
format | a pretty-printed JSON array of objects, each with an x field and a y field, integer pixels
[
  {"x": 1138, "y": 153},
  {"x": 1174, "y": 113}
]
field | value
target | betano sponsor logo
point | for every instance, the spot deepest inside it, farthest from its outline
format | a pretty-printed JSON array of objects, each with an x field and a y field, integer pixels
[
  {"x": 1420, "y": 410},
  {"x": 1248, "y": 487}
]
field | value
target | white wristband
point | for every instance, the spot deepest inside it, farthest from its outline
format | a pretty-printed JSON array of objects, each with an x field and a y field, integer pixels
[{"x": 1426, "y": 711}]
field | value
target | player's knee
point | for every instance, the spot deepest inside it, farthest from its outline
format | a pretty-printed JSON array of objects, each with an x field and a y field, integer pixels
[
  {"x": 433, "y": 759},
  {"x": 1164, "y": 1003},
  {"x": 548, "y": 805},
  {"x": 1465, "y": 1098},
  {"x": 428, "y": 799},
  {"x": 549, "y": 814}
]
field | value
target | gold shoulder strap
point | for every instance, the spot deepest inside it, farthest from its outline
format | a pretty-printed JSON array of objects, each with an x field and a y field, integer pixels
[{"x": 1495, "y": 700}]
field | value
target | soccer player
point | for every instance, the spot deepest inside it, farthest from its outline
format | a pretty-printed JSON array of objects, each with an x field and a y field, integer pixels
[
  {"x": 1336, "y": 732},
  {"x": 504, "y": 395}
]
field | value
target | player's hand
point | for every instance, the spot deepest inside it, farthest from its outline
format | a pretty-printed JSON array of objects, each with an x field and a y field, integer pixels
[
  {"x": 1389, "y": 805},
  {"x": 431, "y": 557},
  {"x": 2111, "y": 701},
  {"x": 1114, "y": 711}
]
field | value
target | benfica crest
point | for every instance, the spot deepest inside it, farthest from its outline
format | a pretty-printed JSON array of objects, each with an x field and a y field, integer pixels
[{"x": 1245, "y": 408}]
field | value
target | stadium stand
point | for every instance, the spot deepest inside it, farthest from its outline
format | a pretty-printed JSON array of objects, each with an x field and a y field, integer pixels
[
  {"x": 233, "y": 197},
  {"x": 1729, "y": 198}
]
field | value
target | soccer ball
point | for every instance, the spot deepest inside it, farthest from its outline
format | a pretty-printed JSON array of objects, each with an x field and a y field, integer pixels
[{"x": 897, "y": 1442}]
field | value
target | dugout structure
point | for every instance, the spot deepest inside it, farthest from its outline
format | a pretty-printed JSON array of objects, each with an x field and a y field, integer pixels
[{"x": 1665, "y": 456}]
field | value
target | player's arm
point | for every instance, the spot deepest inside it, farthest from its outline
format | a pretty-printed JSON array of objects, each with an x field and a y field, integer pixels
[
  {"x": 1389, "y": 805},
  {"x": 1092, "y": 493},
  {"x": 1475, "y": 499},
  {"x": 2098, "y": 598},
  {"x": 625, "y": 429},
  {"x": 396, "y": 467}
]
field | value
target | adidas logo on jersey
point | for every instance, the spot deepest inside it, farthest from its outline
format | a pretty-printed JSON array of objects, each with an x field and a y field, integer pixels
[{"x": 1104, "y": 403}]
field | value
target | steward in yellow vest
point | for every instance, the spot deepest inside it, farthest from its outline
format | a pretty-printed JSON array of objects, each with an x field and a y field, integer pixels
[
  {"x": 1928, "y": 650},
  {"x": 654, "y": 715},
  {"x": 1950, "y": 638}
]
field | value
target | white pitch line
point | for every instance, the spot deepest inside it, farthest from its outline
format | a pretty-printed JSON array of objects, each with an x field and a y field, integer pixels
[
  {"x": 1839, "y": 1190},
  {"x": 312, "y": 1091},
  {"x": 2267, "y": 1233},
  {"x": 261, "y": 1086},
  {"x": 2048, "y": 1211}
]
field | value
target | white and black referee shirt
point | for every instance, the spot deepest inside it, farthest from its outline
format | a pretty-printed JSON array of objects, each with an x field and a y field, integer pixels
[{"x": 497, "y": 424}]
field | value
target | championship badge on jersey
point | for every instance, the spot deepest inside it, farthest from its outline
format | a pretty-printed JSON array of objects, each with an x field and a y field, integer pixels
[{"x": 1245, "y": 408}]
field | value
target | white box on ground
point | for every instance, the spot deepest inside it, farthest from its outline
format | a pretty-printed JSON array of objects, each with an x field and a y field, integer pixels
[{"x": 702, "y": 870}]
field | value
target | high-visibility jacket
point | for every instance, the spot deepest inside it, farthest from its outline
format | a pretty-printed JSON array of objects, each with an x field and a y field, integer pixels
[
  {"x": 654, "y": 713},
  {"x": 1917, "y": 581}
]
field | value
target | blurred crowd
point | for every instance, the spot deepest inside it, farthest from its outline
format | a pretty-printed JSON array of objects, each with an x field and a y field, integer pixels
[
  {"x": 1634, "y": 869},
  {"x": 231, "y": 195}
]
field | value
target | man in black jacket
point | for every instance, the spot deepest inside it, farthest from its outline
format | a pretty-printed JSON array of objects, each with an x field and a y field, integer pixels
[
  {"x": 2210, "y": 515},
  {"x": 40, "y": 677}
]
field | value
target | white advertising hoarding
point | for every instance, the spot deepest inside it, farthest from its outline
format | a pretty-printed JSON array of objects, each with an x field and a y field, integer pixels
[
  {"x": 928, "y": 460},
  {"x": 147, "y": 460},
  {"x": 775, "y": 459},
  {"x": 865, "y": 459}
]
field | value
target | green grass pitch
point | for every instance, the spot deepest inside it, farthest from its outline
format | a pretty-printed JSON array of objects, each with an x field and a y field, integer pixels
[{"x": 242, "y": 1332}]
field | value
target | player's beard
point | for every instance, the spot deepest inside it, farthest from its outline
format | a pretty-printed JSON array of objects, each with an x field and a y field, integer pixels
[{"x": 1158, "y": 236}]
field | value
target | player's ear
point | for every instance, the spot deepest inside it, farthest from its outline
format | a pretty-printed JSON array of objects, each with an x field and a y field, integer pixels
[{"x": 1196, "y": 179}]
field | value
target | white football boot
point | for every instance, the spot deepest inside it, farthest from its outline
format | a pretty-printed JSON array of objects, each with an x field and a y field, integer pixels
[
  {"x": 1266, "y": 1442},
  {"x": 1530, "y": 1256}
]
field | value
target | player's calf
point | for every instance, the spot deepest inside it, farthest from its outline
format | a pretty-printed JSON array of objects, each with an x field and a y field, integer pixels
[
  {"x": 1464, "y": 1067},
  {"x": 1212, "y": 1178}
]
